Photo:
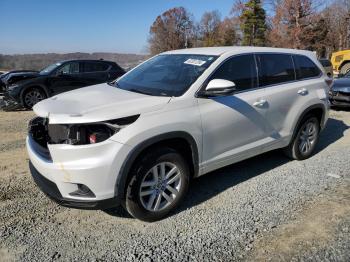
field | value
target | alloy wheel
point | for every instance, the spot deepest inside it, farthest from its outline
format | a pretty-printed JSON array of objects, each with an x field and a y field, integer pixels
[
  {"x": 32, "y": 97},
  {"x": 307, "y": 138},
  {"x": 160, "y": 186}
]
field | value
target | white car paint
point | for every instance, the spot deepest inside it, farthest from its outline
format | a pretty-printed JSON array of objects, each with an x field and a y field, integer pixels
[{"x": 226, "y": 129}]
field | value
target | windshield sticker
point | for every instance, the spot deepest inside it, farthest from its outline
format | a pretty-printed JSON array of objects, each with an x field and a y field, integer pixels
[{"x": 195, "y": 62}]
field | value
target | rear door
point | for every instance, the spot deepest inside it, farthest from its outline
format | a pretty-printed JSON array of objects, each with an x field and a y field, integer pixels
[
  {"x": 234, "y": 126},
  {"x": 95, "y": 72},
  {"x": 288, "y": 80}
]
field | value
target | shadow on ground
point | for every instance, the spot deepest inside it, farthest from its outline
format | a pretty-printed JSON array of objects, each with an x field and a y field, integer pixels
[{"x": 212, "y": 184}]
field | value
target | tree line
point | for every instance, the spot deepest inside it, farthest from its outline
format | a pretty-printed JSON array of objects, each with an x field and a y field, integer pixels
[
  {"x": 40, "y": 61},
  {"x": 318, "y": 25}
]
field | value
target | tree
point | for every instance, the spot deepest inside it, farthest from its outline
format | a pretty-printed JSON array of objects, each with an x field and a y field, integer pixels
[
  {"x": 209, "y": 28},
  {"x": 171, "y": 30},
  {"x": 290, "y": 23},
  {"x": 227, "y": 33},
  {"x": 337, "y": 19},
  {"x": 253, "y": 23},
  {"x": 315, "y": 36}
]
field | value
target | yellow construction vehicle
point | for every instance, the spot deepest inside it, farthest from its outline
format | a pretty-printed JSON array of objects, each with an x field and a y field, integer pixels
[{"x": 341, "y": 62}]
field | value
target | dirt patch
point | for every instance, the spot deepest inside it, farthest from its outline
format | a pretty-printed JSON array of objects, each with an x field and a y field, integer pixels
[{"x": 314, "y": 226}]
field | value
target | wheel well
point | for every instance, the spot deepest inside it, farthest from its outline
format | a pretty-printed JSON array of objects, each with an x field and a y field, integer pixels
[
  {"x": 317, "y": 112},
  {"x": 179, "y": 141},
  {"x": 181, "y": 145},
  {"x": 37, "y": 87},
  {"x": 344, "y": 63}
]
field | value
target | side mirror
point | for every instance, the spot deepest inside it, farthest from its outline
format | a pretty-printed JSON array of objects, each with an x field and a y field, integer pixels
[{"x": 219, "y": 87}]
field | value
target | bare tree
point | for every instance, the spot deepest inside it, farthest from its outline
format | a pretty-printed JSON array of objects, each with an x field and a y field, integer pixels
[
  {"x": 171, "y": 30},
  {"x": 209, "y": 28},
  {"x": 290, "y": 22},
  {"x": 337, "y": 17}
]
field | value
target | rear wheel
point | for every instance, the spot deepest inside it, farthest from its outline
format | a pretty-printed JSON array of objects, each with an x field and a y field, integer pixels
[
  {"x": 304, "y": 143},
  {"x": 158, "y": 184},
  {"x": 345, "y": 68},
  {"x": 32, "y": 96}
]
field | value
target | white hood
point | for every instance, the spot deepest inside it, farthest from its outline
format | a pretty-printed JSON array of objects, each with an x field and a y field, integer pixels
[{"x": 97, "y": 103}]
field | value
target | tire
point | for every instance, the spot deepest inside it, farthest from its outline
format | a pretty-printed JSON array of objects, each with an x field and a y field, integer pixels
[
  {"x": 32, "y": 96},
  {"x": 345, "y": 68},
  {"x": 305, "y": 140},
  {"x": 144, "y": 198}
]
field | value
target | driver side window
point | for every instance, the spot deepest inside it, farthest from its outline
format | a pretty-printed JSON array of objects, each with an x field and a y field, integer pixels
[
  {"x": 239, "y": 69},
  {"x": 69, "y": 68}
]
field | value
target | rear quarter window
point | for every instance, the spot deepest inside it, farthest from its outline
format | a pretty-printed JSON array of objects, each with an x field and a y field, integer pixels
[
  {"x": 305, "y": 68},
  {"x": 275, "y": 69},
  {"x": 90, "y": 67}
]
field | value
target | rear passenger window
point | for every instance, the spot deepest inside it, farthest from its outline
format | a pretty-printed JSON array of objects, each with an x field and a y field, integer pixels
[
  {"x": 95, "y": 67},
  {"x": 240, "y": 69},
  {"x": 305, "y": 68},
  {"x": 275, "y": 69}
]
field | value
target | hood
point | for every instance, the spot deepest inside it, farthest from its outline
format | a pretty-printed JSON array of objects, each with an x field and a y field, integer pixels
[
  {"x": 342, "y": 85},
  {"x": 21, "y": 76},
  {"x": 97, "y": 103}
]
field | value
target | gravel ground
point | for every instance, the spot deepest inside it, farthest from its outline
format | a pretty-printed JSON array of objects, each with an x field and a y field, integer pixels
[{"x": 266, "y": 208}]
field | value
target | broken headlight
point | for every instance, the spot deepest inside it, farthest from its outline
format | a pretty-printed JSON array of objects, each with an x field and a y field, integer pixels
[{"x": 89, "y": 133}]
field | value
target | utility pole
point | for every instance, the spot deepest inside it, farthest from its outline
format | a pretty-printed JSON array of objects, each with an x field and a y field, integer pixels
[{"x": 347, "y": 40}]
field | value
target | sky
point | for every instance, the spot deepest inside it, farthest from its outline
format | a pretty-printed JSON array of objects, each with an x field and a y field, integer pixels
[{"x": 122, "y": 26}]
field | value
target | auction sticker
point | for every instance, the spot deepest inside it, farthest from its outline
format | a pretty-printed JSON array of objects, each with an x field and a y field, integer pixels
[{"x": 195, "y": 62}]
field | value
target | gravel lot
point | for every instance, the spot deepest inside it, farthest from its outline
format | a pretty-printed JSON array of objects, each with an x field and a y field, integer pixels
[{"x": 265, "y": 208}]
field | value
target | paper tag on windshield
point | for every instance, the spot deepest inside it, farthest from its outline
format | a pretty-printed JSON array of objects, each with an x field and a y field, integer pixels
[{"x": 195, "y": 62}]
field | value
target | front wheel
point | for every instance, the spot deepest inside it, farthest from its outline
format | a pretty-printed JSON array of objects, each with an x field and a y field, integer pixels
[
  {"x": 158, "y": 183},
  {"x": 32, "y": 96},
  {"x": 304, "y": 143},
  {"x": 345, "y": 68}
]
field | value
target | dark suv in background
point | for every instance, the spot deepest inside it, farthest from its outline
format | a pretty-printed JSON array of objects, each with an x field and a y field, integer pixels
[{"x": 58, "y": 78}]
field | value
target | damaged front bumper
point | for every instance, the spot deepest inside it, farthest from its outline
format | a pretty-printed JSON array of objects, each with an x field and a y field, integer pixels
[
  {"x": 339, "y": 98},
  {"x": 9, "y": 102},
  {"x": 80, "y": 176}
]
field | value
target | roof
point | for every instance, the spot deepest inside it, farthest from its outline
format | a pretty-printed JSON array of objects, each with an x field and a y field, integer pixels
[
  {"x": 85, "y": 60},
  {"x": 217, "y": 51}
]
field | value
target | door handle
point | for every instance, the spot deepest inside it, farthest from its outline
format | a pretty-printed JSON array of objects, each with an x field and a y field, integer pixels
[
  {"x": 260, "y": 103},
  {"x": 302, "y": 91}
]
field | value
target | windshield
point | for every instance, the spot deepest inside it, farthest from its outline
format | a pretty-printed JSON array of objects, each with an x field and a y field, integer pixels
[
  {"x": 49, "y": 69},
  {"x": 347, "y": 75},
  {"x": 166, "y": 75}
]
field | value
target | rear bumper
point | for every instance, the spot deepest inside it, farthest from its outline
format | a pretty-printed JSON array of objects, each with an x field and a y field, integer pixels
[{"x": 51, "y": 190}]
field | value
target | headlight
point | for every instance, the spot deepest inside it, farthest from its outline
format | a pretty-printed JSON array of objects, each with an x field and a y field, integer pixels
[
  {"x": 90, "y": 133},
  {"x": 11, "y": 87}
]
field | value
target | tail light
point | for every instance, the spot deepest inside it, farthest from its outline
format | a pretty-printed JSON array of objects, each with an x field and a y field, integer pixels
[{"x": 329, "y": 81}]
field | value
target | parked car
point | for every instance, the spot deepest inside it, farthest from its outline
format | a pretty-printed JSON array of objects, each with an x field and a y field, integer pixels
[
  {"x": 339, "y": 93},
  {"x": 327, "y": 65},
  {"x": 8, "y": 75},
  {"x": 341, "y": 62},
  {"x": 60, "y": 77},
  {"x": 179, "y": 115}
]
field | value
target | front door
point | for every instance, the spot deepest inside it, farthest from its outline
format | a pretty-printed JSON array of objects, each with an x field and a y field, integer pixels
[
  {"x": 234, "y": 127},
  {"x": 66, "y": 78}
]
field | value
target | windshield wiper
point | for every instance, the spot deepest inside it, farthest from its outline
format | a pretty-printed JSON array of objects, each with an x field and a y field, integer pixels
[{"x": 140, "y": 91}]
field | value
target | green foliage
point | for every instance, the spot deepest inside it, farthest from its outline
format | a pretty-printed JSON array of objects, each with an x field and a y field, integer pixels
[{"x": 253, "y": 24}]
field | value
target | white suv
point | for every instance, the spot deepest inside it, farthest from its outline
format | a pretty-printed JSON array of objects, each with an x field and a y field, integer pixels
[{"x": 139, "y": 141}]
